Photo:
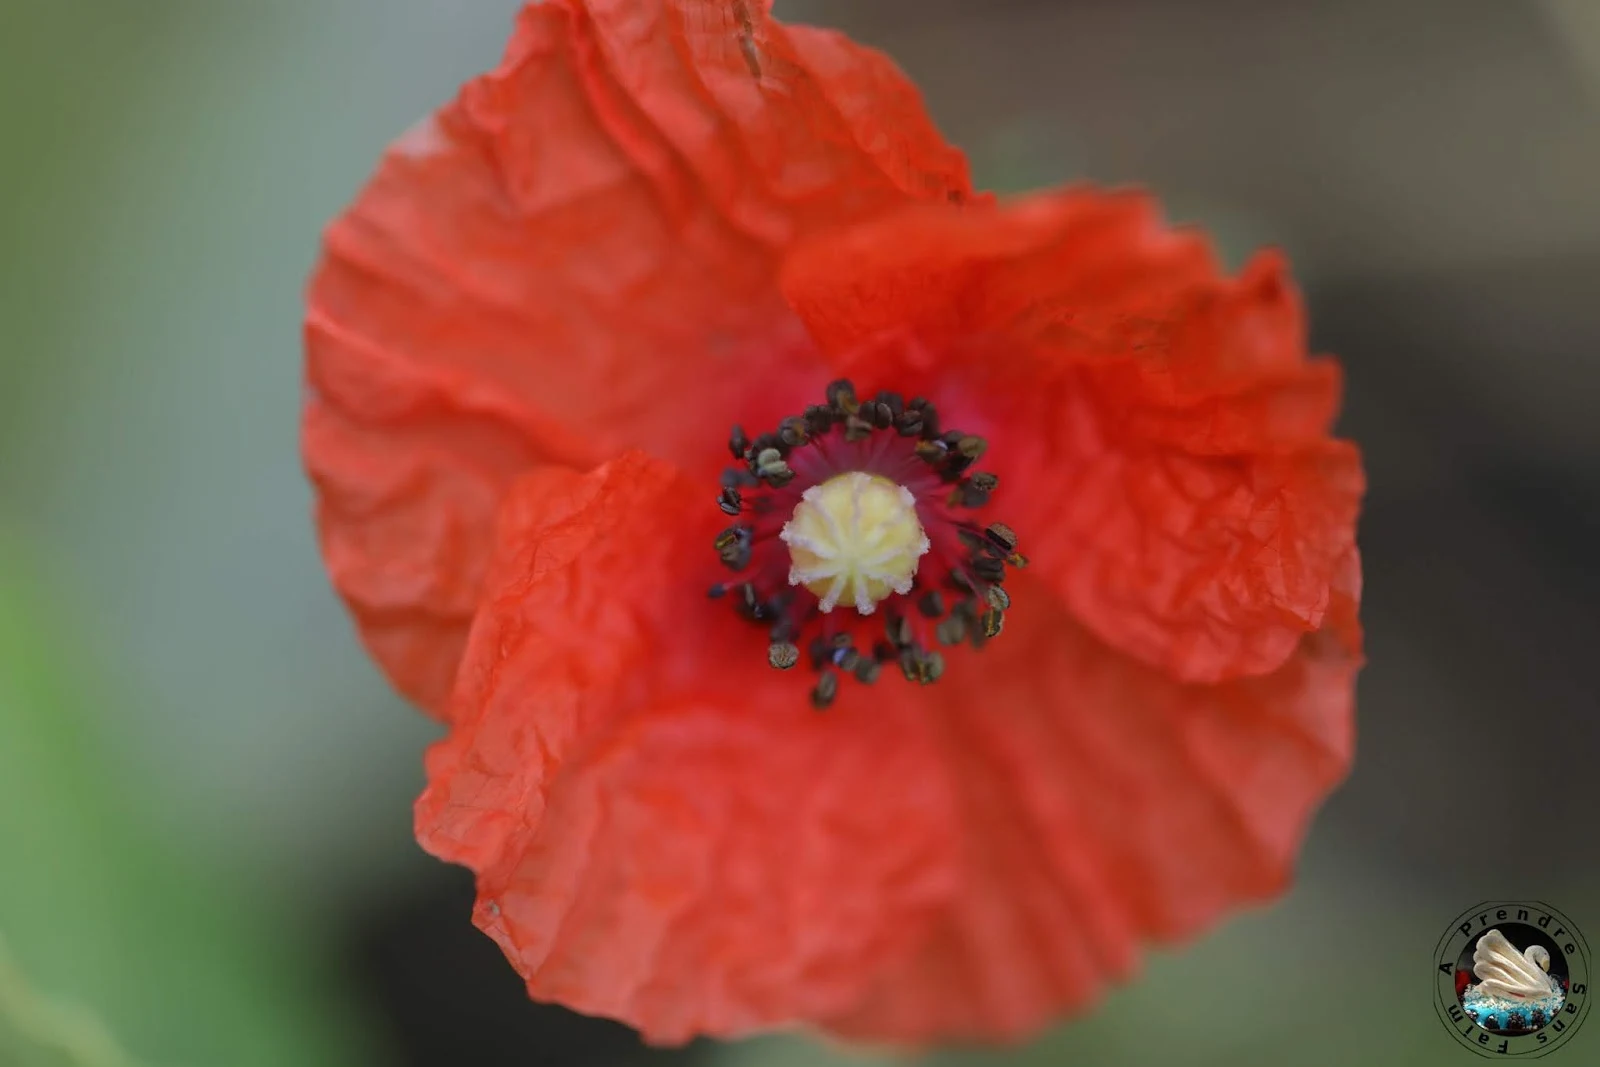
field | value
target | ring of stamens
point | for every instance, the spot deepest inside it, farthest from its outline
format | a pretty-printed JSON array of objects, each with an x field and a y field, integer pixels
[{"x": 861, "y": 504}]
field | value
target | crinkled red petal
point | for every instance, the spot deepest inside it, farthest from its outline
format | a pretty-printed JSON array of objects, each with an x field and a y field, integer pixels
[
  {"x": 665, "y": 833},
  {"x": 566, "y": 259},
  {"x": 1106, "y": 806},
  {"x": 1160, "y": 433},
  {"x": 662, "y": 829}
]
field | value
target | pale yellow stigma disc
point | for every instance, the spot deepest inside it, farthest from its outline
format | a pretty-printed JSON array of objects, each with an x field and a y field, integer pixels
[{"x": 855, "y": 539}]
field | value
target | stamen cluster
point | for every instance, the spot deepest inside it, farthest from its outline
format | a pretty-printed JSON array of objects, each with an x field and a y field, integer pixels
[{"x": 951, "y": 593}]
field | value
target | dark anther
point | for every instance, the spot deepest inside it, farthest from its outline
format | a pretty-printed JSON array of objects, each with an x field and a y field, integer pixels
[
  {"x": 951, "y": 631},
  {"x": 867, "y": 670},
  {"x": 953, "y": 468},
  {"x": 971, "y": 540},
  {"x": 792, "y": 431},
  {"x": 745, "y": 602},
  {"x": 881, "y": 416},
  {"x": 856, "y": 428},
  {"x": 909, "y": 423},
  {"x": 717, "y": 592},
  {"x": 785, "y": 629},
  {"x": 921, "y": 666},
  {"x": 908, "y": 663},
  {"x": 991, "y": 621},
  {"x": 737, "y": 478},
  {"x": 989, "y": 569},
  {"x": 820, "y": 652},
  {"x": 931, "y": 451},
  {"x": 884, "y": 651},
  {"x": 931, "y": 604},
  {"x": 930, "y": 416},
  {"x": 733, "y": 547},
  {"x": 997, "y": 597},
  {"x": 827, "y": 688},
  {"x": 959, "y": 579},
  {"x": 771, "y": 467},
  {"x": 893, "y": 401},
  {"x": 819, "y": 420},
  {"x": 984, "y": 482},
  {"x": 898, "y": 631},
  {"x": 738, "y": 442},
  {"x": 842, "y": 395},
  {"x": 968, "y": 495},
  {"x": 972, "y": 447},
  {"x": 766, "y": 441},
  {"x": 1003, "y": 536},
  {"x": 843, "y": 652},
  {"x": 730, "y": 501},
  {"x": 782, "y": 655}
]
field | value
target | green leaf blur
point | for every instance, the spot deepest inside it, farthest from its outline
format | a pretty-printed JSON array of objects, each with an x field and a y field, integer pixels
[{"x": 114, "y": 950}]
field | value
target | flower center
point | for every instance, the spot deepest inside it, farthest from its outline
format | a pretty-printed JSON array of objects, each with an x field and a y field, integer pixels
[
  {"x": 854, "y": 539},
  {"x": 865, "y": 504}
]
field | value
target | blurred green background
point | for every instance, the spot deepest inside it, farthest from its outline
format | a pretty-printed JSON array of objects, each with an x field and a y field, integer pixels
[{"x": 205, "y": 789}]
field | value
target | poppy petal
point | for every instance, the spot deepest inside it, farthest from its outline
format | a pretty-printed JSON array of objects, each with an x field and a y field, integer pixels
[
  {"x": 663, "y": 830},
  {"x": 1159, "y": 428},
  {"x": 567, "y": 260},
  {"x": 1106, "y": 806}
]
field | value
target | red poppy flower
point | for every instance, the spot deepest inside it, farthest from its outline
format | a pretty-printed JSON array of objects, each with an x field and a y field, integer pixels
[{"x": 1052, "y": 428}]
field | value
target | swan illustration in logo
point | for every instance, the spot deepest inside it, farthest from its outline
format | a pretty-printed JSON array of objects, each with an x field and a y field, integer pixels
[
  {"x": 1512, "y": 978},
  {"x": 1504, "y": 972},
  {"x": 1514, "y": 991}
]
